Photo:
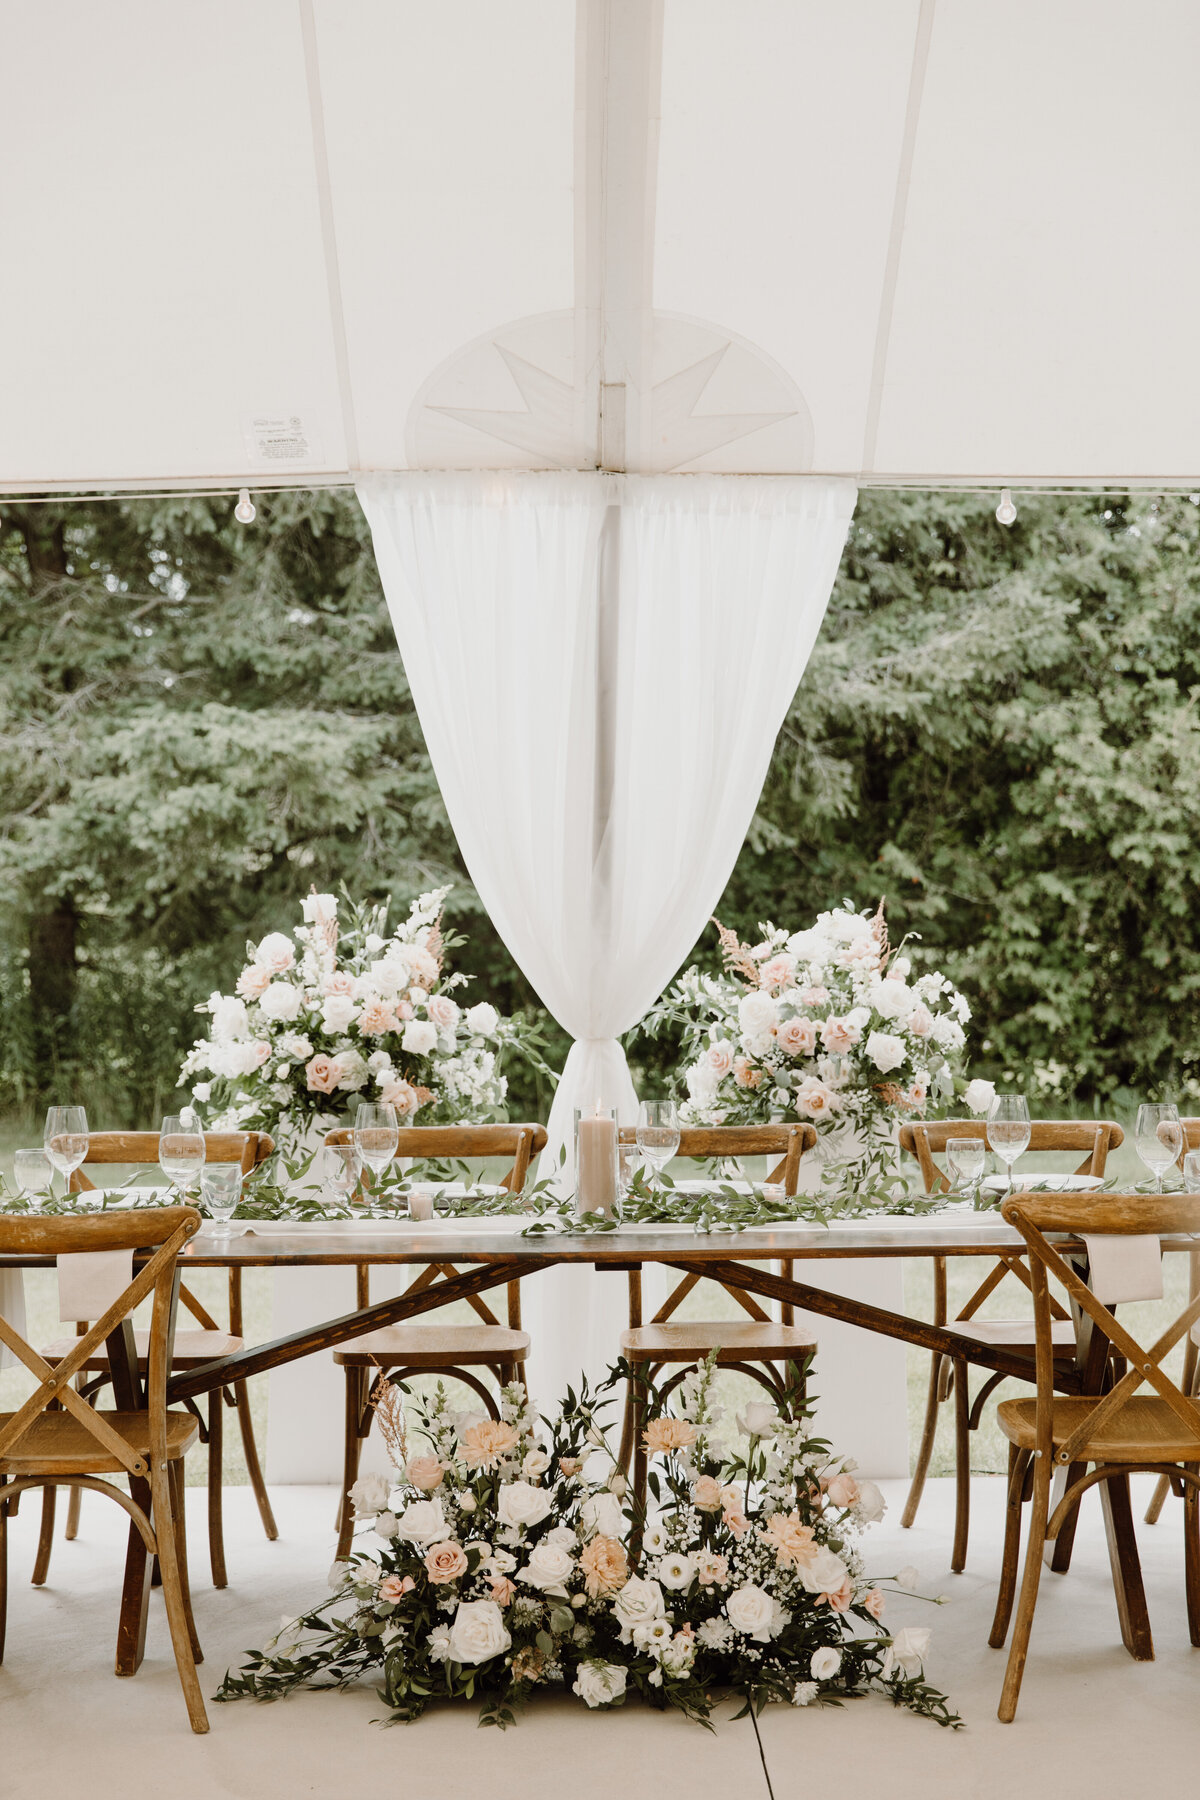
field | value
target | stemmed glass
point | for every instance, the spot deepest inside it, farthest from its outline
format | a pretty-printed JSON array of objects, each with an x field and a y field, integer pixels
[
  {"x": 1008, "y": 1130},
  {"x": 658, "y": 1133},
  {"x": 181, "y": 1150},
  {"x": 964, "y": 1161},
  {"x": 220, "y": 1191},
  {"x": 342, "y": 1168},
  {"x": 376, "y": 1135},
  {"x": 1158, "y": 1139},
  {"x": 66, "y": 1139},
  {"x": 1191, "y": 1172},
  {"x": 34, "y": 1176}
]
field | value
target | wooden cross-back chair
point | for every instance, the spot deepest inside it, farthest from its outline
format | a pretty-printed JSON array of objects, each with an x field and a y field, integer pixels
[
  {"x": 759, "y": 1346},
  {"x": 192, "y": 1347},
  {"x": 1106, "y": 1435},
  {"x": 58, "y": 1439},
  {"x": 1090, "y": 1139},
  {"x": 1191, "y": 1354},
  {"x": 458, "y": 1351}
]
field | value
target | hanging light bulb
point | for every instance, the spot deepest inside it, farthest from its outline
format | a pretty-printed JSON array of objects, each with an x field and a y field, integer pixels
[
  {"x": 1006, "y": 512},
  {"x": 244, "y": 511}
]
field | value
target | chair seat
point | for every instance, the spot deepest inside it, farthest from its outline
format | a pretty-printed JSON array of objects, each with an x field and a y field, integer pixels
[
  {"x": 434, "y": 1347},
  {"x": 191, "y": 1349},
  {"x": 1014, "y": 1334},
  {"x": 59, "y": 1444},
  {"x": 1145, "y": 1429},
  {"x": 738, "y": 1340}
]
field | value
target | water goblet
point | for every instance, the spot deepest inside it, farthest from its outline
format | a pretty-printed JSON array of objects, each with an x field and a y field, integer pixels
[
  {"x": 342, "y": 1173},
  {"x": 1008, "y": 1130},
  {"x": 1158, "y": 1138},
  {"x": 33, "y": 1174},
  {"x": 65, "y": 1139},
  {"x": 964, "y": 1161},
  {"x": 181, "y": 1150},
  {"x": 220, "y": 1191},
  {"x": 376, "y": 1135},
  {"x": 1191, "y": 1172},
  {"x": 657, "y": 1133}
]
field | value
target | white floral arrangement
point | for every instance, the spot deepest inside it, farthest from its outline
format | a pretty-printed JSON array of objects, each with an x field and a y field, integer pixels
[
  {"x": 508, "y": 1559},
  {"x": 343, "y": 1009},
  {"x": 825, "y": 1025}
]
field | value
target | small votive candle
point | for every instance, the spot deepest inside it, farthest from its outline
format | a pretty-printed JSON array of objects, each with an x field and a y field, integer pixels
[
  {"x": 420, "y": 1204},
  {"x": 774, "y": 1190}
]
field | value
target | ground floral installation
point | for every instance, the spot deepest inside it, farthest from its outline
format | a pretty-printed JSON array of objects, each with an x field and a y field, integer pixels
[
  {"x": 350, "y": 1011},
  {"x": 506, "y": 1559},
  {"x": 827, "y": 1025}
]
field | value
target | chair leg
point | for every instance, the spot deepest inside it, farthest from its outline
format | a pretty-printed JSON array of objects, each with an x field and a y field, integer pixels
[
  {"x": 177, "y": 1612},
  {"x": 1191, "y": 1555},
  {"x": 1018, "y": 1466},
  {"x": 74, "y": 1505},
  {"x": 176, "y": 1477},
  {"x": 253, "y": 1466},
  {"x": 356, "y": 1399},
  {"x": 962, "y": 1467},
  {"x": 1162, "y": 1488},
  {"x": 928, "y": 1434},
  {"x": 1038, "y": 1517},
  {"x": 3, "y": 1565},
  {"x": 216, "y": 1489},
  {"x": 41, "y": 1564}
]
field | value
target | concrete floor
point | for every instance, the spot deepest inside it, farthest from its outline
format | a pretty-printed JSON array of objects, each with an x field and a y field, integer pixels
[{"x": 1091, "y": 1721}]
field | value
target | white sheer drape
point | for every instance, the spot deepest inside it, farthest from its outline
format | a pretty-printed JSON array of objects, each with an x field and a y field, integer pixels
[{"x": 601, "y": 665}]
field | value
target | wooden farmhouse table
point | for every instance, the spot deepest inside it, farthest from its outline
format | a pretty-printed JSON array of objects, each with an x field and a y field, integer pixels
[{"x": 488, "y": 1255}]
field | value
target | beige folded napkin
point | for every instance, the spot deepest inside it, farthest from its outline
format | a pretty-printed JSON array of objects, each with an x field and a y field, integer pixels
[
  {"x": 89, "y": 1281},
  {"x": 1124, "y": 1268},
  {"x": 12, "y": 1310}
]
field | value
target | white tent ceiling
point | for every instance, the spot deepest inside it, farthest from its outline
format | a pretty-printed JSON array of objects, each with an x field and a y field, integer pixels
[{"x": 927, "y": 241}]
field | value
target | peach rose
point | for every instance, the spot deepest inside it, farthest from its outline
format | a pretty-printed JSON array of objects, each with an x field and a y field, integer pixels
[
  {"x": 569, "y": 1465},
  {"x": 261, "y": 1053},
  {"x": 778, "y": 972},
  {"x": 814, "y": 1100},
  {"x": 322, "y": 1074},
  {"x": 839, "y": 1036},
  {"x": 706, "y": 1494},
  {"x": 875, "y": 1600},
  {"x": 502, "y": 1590},
  {"x": 425, "y": 1472},
  {"x": 605, "y": 1566},
  {"x": 445, "y": 1562},
  {"x": 482, "y": 1446},
  {"x": 842, "y": 1489},
  {"x": 338, "y": 983},
  {"x": 443, "y": 1012},
  {"x": 735, "y": 1520},
  {"x": 920, "y": 1020},
  {"x": 404, "y": 1009},
  {"x": 711, "y": 1568},
  {"x": 745, "y": 1073},
  {"x": 253, "y": 981},
  {"x": 792, "y": 1542},
  {"x": 841, "y": 1599},
  {"x": 664, "y": 1435},
  {"x": 916, "y": 1095},
  {"x": 377, "y": 1017},
  {"x": 813, "y": 996},
  {"x": 394, "y": 1587},
  {"x": 719, "y": 1058},
  {"x": 401, "y": 1095},
  {"x": 797, "y": 1036}
]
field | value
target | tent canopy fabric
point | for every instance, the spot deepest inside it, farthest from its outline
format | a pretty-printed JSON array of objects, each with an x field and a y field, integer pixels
[{"x": 916, "y": 241}]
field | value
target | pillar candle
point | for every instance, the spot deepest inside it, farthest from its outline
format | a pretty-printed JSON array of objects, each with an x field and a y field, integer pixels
[{"x": 596, "y": 1165}]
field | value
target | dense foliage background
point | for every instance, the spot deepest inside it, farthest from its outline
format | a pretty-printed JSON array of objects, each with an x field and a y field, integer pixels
[{"x": 998, "y": 731}]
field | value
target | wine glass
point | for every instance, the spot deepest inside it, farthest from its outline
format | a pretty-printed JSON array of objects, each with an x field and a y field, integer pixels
[
  {"x": 66, "y": 1139},
  {"x": 1158, "y": 1138},
  {"x": 376, "y": 1135},
  {"x": 181, "y": 1149},
  {"x": 964, "y": 1160},
  {"x": 342, "y": 1172},
  {"x": 220, "y": 1191},
  {"x": 1008, "y": 1130},
  {"x": 1191, "y": 1172},
  {"x": 658, "y": 1132},
  {"x": 34, "y": 1176}
]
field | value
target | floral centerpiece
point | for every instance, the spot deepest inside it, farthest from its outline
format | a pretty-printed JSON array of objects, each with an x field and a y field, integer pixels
[
  {"x": 346, "y": 1008},
  {"x": 826, "y": 1025},
  {"x": 506, "y": 1559}
]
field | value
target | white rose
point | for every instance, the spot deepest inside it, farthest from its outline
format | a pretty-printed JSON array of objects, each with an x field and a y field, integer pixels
[
  {"x": 478, "y": 1632},
  {"x": 229, "y": 1020},
  {"x": 369, "y": 1495},
  {"x": 870, "y": 1505},
  {"x": 601, "y": 1516},
  {"x": 419, "y": 1037},
  {"x": 423, "y": 1522},
  {"x": 906, "y": 1653},
  {"x": 562, "y": 1534},
  {"x": 599, "y": 1684},
  {"x": 756, "y": 1014},
  {"x": 825, "y": 1662},
  {"x": 979, "y": 1096},
  {"x": 825, "y": 1573},
  {"x": 638, "y": 1602},
  {"x": 549, "y": 1566},
  {"x": 319, "y": 909},
  {"x": 520, "y": 1503},
  {"x": 751, "y": 1611},
  {"x": 387, "y": 1526},
  {"x": 352, "y": 1071},
  {"x": 759, "y": 1418},
  {"x": 676, "y": 1572},
  {"x": 892, "y": 999},
  {"x": 481, "y": 1020},
  {"x": 275, "y": 953},
  {"x": 280, "y": 1002},
  {"x": 338, "y": 1012},
  {"x": 885, "y": 1051},
  {"x": 535, "y": 1463}
]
